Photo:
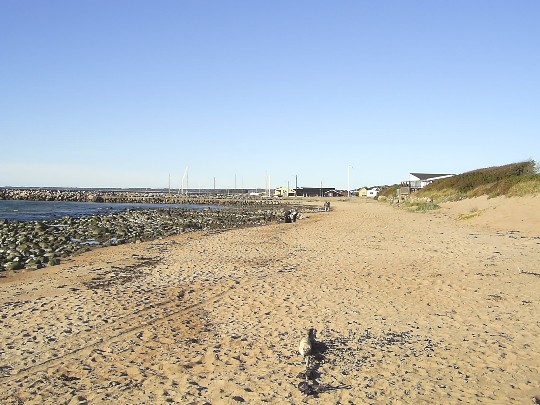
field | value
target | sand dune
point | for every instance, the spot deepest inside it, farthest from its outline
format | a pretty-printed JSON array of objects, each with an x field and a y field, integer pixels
[{"x": 408, "y": 307}]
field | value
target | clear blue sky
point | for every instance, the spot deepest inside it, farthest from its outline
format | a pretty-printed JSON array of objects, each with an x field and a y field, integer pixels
[{"x": 124, "y": 93}]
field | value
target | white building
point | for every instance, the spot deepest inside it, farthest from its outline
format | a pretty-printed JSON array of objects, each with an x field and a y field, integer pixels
[
  {"x": 373, "y": 192},
  {"x": 420, "y": 180}
]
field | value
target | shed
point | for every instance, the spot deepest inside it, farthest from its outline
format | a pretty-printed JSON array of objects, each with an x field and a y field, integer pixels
[{"x": 313, "y": 191}]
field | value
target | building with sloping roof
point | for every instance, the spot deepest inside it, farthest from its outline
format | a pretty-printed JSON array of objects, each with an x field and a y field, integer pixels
[
  {"x": 284, "y": 192},
  {"x": 420, "y": 180},
  {"x": 373, "y": 192}
]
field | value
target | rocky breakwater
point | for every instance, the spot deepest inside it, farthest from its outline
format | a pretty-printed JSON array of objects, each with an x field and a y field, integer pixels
[
  {"x": 102, "y": 196},
  {"x": 35, "y": 244}
]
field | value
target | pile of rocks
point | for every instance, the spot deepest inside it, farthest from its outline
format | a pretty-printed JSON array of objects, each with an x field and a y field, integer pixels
[
  {"x": 35, "y": 244},
  {"x": 130, "y": 197}
]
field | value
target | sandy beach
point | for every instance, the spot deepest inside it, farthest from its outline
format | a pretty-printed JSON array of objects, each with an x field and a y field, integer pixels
[{"x": 408, "y": 307}]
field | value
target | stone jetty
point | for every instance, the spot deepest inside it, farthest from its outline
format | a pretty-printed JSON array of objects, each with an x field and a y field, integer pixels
[
  {"x": 36, "y": 244},
  {"x": 130, "y": 197}
]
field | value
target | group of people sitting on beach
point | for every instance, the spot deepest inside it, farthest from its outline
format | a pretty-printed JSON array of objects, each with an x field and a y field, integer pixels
[{"x": 291, "y": 215}]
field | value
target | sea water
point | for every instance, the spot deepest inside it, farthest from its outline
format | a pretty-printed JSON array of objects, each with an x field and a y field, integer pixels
[{"x": 22, "y": 210}]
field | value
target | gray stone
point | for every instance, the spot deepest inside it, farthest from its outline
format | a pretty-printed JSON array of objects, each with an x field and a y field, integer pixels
[{"x": 13, "y": 266}]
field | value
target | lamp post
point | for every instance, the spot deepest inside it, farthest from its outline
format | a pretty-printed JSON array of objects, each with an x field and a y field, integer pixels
[{"x": 348, "y": 180}]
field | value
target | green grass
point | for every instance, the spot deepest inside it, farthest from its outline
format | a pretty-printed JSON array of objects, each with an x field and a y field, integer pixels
[
  {"x": 515, "y": 179},
  {"x": 420, "y": 206},
  {"x": 390, "y": 191},
  {"x": 474, "y": 212}
]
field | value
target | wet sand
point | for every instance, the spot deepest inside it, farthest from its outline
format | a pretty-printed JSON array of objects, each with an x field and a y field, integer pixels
[{"x": 408, "y": 307}]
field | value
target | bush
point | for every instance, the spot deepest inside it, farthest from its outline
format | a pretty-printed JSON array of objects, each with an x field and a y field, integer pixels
[
  {"x": 421, "y": 205},
  {"x": 512, "y": 179}
]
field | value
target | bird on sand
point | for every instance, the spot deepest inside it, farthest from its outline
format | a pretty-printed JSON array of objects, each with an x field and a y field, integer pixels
[{"x": 306, "y": 345}]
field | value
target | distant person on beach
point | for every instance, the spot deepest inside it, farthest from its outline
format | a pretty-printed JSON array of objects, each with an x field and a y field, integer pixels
[
  {"x": 290, "y": 215},
  {"x": 326, "y": 206},
  {"x": 287, "y": 216}
]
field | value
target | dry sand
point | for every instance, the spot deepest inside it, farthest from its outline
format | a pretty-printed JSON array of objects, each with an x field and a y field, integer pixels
[{"x": 408, "y": 307}]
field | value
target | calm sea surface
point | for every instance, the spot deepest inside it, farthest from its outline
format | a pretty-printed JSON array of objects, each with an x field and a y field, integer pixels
[{"x": 49, "y": 210}]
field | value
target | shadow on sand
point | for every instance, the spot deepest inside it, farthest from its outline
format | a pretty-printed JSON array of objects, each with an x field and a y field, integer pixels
[{"x": 311, "y": 385}]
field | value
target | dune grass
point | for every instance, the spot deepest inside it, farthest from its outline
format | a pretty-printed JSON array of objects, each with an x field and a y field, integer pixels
[
  {"x": 515, "y": 179},
  {"x": 473, "y": 212},
  {"x": 420, "y": 206},
  {"x": 508, "y": 180}
]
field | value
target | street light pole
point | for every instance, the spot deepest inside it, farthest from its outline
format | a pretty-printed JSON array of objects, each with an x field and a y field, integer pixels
[{"x": 348, "y": 180}]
